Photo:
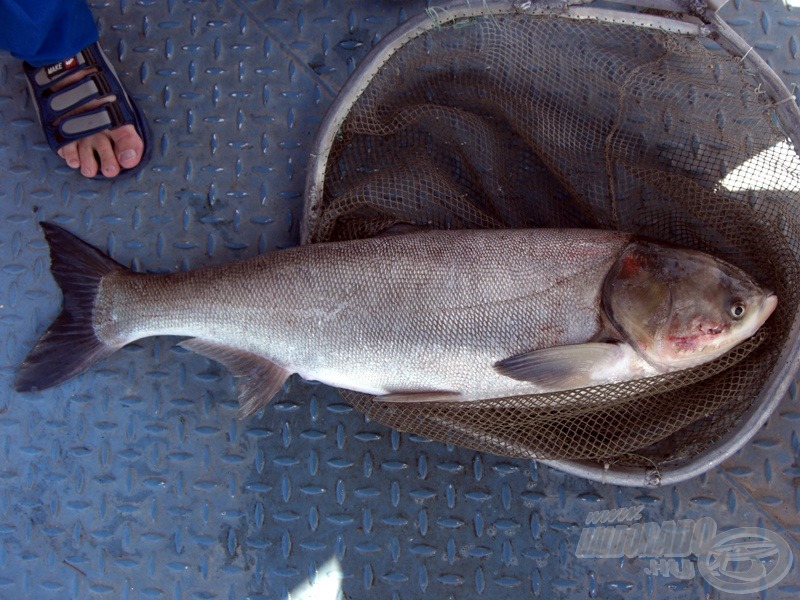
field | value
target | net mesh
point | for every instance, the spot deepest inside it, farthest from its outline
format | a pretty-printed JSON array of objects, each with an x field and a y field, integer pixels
[{"x": 537, "y": 121}]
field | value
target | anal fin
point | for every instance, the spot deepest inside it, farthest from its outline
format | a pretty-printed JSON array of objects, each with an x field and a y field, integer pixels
[
  {"x": 259, "y": 379},
  {"x": 435, "y": 396}
]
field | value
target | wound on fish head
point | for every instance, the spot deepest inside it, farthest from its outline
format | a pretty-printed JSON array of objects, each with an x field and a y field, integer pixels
[{"x": 681, "y": 308}]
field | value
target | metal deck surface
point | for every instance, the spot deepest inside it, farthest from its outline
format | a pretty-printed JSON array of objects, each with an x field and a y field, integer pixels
[{"x": 135, "y": 480}]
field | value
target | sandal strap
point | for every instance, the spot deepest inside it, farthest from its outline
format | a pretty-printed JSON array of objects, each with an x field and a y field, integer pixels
[
  {"x": 46, "y": 76},
  {"x": 78, "y": 94},
  {"x": 108, "y": 116}
]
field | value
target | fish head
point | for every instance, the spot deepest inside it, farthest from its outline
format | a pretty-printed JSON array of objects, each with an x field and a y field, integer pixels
[{"x": 680, "y": 308}]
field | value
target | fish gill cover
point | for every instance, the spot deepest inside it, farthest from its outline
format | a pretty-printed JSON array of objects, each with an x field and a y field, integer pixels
[{"x": 515, "y": 120}]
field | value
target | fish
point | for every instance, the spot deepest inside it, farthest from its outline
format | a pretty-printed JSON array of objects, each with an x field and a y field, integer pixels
[{"x": 425, "y": 316}]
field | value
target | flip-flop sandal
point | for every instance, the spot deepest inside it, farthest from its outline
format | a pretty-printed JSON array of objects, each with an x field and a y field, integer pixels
[{"x": 51, "y": 106}]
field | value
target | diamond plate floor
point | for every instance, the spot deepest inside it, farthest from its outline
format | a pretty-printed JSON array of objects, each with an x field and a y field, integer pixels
[{"x": 136, "y": 481}]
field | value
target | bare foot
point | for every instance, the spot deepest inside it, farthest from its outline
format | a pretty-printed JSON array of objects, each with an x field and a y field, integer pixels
[{"x": 106, "y": 151}]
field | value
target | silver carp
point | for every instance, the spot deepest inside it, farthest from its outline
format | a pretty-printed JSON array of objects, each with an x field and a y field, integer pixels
[{"x": 421, "y": 317}]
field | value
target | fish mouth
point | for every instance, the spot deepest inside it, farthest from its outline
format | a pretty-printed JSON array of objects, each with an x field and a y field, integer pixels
[{"x": 693, "y": 344}]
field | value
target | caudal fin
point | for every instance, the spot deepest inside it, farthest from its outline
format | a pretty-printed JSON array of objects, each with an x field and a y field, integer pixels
[{"x": 70, "y": 345}]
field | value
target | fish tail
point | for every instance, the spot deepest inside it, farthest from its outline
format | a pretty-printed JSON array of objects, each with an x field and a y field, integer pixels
[{"x": 70, "y": 345}]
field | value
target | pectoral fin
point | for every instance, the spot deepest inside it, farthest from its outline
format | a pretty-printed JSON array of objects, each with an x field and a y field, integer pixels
[
  {"x": 260, "y": 379},
  {"x": 566, "y": 367}
]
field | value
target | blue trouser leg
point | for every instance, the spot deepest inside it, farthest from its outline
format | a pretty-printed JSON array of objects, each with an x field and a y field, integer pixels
[{"x": 43, "y": 32}]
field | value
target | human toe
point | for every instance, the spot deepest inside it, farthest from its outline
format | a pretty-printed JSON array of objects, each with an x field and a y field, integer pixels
[
  {"x": 128, "y": 146},
  {"x": 70, "y": 155},
  {"x": 108, "y": 159},
  {"x": 89, "y": 165}
]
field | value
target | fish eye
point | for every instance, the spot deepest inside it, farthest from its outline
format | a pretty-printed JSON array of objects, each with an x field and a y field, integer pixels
[{"x": 738, "y": 309}]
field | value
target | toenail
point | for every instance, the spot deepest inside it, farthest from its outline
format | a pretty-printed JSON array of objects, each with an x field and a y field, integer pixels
[
  {"x": 74, "y": 163},
  {"x": 127, "y": 155}
]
